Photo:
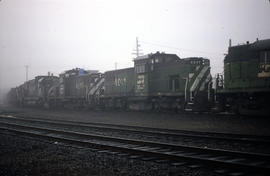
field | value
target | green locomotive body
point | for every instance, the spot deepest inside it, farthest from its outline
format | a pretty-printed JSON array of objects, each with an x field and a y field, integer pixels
[
  {"x": 246, "y": 78},
  {"x": 159, "y": 81},
  {"x": 77, "y": 88},
  {"x": 119, "y": 83},
  {"x": 34, "y": 92}
]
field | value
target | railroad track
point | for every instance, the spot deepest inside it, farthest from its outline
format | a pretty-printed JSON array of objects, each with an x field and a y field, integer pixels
[
  {"x": 223, "y": 161},
  {"x": 145, "y": 131}
]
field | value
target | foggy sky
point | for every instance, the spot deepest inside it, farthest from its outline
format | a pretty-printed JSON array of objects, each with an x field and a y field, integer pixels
[{"x": 56, "y": 35}]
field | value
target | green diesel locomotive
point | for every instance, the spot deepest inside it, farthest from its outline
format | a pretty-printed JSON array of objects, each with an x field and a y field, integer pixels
[
  {"x": 246, "y": 85},
  {"x": 160, "y": 81}
]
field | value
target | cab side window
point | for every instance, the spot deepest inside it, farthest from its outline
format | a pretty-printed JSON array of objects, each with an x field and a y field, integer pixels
[{"x": 174, "y": 83}]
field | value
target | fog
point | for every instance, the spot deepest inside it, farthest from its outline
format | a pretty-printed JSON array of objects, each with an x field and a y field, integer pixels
[{"x": 57, "y": 35}]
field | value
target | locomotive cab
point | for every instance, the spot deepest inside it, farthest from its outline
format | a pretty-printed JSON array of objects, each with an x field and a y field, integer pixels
[{"x": 168, "y": 82}]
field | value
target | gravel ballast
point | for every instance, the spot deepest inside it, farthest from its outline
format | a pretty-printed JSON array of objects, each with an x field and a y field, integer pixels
[
  {"x": 20, "y": 155},
  {"x": 29, "y": 156}
]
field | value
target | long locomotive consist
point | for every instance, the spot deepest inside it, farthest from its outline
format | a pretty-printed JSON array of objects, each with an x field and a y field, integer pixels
[
  {"x": 161, "y": 81},
  {"x": 73, "y": 88}
]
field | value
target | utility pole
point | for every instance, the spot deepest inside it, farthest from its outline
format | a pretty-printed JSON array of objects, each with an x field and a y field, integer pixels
[
  {"x": 26, "y": 72},
  {"x": 137, "y": 50}
]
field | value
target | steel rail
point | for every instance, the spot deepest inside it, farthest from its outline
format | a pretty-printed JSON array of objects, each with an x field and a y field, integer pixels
[
  {"x": 173, "y": 153},
  {"x": 148, "y": 131}
]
